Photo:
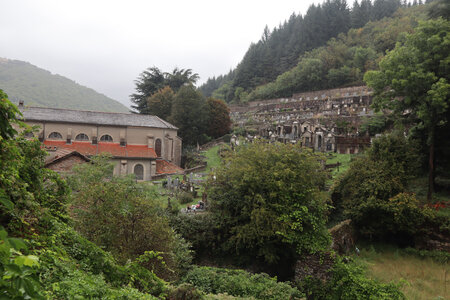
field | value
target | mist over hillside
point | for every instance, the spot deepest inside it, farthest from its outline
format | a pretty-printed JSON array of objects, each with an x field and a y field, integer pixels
[{"x": 38, "y": 87}]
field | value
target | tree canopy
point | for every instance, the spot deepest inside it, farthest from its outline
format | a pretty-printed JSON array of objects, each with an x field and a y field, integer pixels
[
  {"x": 153, "y": 79},
  {"x": 414, "y": 81},
  {"x": 219, "y": 122},
  {"x": 189, "y": 114},
  {"x": 266, "y": 202},
  {"x": 280, "y": 49}
]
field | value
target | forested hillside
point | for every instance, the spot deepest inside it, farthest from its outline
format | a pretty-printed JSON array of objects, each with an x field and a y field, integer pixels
[
  {"x": 36, "y": 86},
  {"x": 309, "y": 52}
]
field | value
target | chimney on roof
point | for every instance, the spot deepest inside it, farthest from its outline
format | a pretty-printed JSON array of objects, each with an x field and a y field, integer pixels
[{"x": 20, "y": 103}]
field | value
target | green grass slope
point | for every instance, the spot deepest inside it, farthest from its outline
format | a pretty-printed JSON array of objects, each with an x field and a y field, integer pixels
[{"x": 38, "y": 87}]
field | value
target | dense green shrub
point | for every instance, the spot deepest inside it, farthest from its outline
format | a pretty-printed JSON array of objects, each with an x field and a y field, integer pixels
[
  {"x": 198, "y": 230},
  {"x": 185, "y": 197},
  {"x": 371, "y": 192},
  {"x": 399, "y": 216},
  {"x": 239, "y": 283},
  {"x": 348, "y": 282},
  {"x": 265, "y": 199},
  {"x": 125, "y": 217},
  {"x": 185, "y": 291},
  {"x": 69, "y": 258},
  {"x": 18, "y": 272}
]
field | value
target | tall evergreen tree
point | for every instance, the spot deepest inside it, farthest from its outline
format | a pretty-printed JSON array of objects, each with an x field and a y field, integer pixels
[{"x": 153, "y": 79}]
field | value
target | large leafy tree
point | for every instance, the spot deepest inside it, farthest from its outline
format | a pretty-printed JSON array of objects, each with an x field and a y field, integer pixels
[
  {"x": 160, "y": 103},
  {"x": 189, "y": 114},
  {"x": 153, "y": 79},
  {"x": 219, "y": 122},
  {"x": 267, "y": 204},
  {"x": 414, "y": 80}
]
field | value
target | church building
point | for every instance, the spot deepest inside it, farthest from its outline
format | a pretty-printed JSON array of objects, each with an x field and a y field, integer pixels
[{"x": 144, "y": 145}]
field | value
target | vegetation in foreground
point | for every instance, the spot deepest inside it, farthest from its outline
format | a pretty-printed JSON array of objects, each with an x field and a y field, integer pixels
[{"x": 423, "y": 274}]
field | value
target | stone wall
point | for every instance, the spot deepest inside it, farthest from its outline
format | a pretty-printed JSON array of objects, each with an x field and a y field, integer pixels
[{"x": 328, "y": 114}]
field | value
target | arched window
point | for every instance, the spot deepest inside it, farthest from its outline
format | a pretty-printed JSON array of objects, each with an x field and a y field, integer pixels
[
  {"x": 106, "y": 138},
  {"x": 55, "y": 136},
  {"x": 139, "y": 172},
  {"x": 81, "y": 137},
  {"x": 158, "y": 147}
]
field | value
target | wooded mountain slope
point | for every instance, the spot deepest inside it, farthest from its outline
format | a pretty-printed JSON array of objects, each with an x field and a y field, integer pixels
[
  {"x": 38, "y": 87},
  {"x": 319, "y": 46}
]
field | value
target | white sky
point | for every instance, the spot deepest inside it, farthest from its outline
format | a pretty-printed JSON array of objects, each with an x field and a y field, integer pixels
[{"x": 105, "y": 45}]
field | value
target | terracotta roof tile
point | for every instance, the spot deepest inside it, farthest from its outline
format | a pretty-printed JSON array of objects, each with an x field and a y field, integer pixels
[
  {"x": 87, "y": 148},
  {"x": 165, "y": 167}
]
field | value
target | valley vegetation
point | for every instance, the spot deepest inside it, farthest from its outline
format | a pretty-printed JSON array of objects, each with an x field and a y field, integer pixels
[{"x": 91, "y": 235}]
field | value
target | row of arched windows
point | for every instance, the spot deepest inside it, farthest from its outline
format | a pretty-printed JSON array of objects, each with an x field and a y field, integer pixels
[{"x": 80, "y": 137}]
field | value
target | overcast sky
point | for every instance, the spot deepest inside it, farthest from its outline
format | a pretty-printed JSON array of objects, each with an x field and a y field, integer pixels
[{"x": 105, "y": 45}]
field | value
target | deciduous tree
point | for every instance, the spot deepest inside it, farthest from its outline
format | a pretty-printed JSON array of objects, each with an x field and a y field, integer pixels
[
  {"x": 219, "y": 122},
  {"x": 189, "y": 114},
  {"x": 160, "y": 103},
  {"x": 266, "y": 202},
  {"x": 414, "y": 79}
]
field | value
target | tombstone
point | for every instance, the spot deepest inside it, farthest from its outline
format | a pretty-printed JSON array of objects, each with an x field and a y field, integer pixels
[
  {"x": 191, "y": 177},
  {"x": 177, "y": 182},
  {"x": 169, "y": 182}
]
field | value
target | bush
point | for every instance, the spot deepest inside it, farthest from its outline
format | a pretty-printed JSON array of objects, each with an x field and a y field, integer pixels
[
  {"x": 348, "y": 282},
  {"x": 68, "y": 259},
  {"x": 266, "y": 203},
  {"x": 399, "y": 217},
  {"x": 185, "y": 197},
  {"x": 371, "y": 192},
  {"x": 185, "y": 291},
  {"x": 124, "y": 217},
  {"x": 239, "y": 283},
  {"x": 198, "y": 231}
]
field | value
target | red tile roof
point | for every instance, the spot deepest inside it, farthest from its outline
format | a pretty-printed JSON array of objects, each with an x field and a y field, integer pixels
[
  {"x": 87, "y": 148},
  {"x": 165, "y": 167}
]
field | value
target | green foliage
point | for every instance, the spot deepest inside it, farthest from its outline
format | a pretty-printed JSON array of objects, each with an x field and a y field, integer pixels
[
  {"x": 219, "y": 122},
  {"x": 375, "y": 125},
  {"x": 153, "y": 80},
  {"x": 414, "y": 78},
  {"x": 18, "y": 272},
  {"x": 198, "y": 231},
  {"x": 124, "y": 217},
  {"x": 75, "y": 267},
  {"x": 239, "y": 283},
  {"x": 185, "y": 291},
  {"x": 266, "y": 202},
  {"x": 372, "y": 191},
  {"x": 381, "y": 174},
  {"x": 160, "y": 103},
  {"x": 288, "y": 59},
  {"x": 185, "y": 197},
  {"x": 38, "y": 87},
  {"x": 27, "y": 190},
  {"x": 348, "y": 282},
  {"x": 189, "y": 114}
]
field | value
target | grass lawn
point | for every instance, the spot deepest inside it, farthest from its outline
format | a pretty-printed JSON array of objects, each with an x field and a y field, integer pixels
[
  {"x": 212, "y": 157},
  {"x": 333, "y": 158},
  {"x": 420, "y": 278}
]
